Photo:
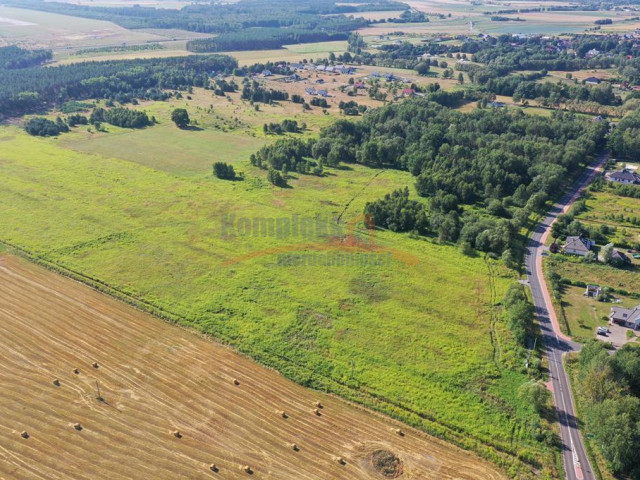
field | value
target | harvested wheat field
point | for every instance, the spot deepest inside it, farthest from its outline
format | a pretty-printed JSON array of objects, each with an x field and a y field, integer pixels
[{"x": 174, "y": 404}]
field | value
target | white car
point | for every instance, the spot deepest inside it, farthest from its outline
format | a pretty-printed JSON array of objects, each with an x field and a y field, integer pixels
[{"x": 602, "y": 330}]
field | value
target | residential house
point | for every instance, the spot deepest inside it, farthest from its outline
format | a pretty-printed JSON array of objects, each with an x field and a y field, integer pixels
[
  {"x": 496, "y": 104},
  {"x": 626, "y": 317},
  {"x": 592, "y": 53},
  {"x": 266, "y": 73},
  {"x": 592, "y": 81},
  {"x": 310, "y": 90},
  {"x": 323, "y": 93},
  {"x": 408, "y": 92},
  {"x": 578, "y": 246},
  {"x": 620, "y": 258},
  {"x": 625, "y": 176},
  {"x": 593, "y": 291}
]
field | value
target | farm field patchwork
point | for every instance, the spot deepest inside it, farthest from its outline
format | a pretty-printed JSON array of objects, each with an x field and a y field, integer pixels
[
  {"x": 33, "y": 29},
  {"x": 385, "y": 337},
  {"x": 145, "y": 370}
]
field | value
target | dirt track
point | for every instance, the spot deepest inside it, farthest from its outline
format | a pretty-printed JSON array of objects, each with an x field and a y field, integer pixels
[{"x": 157, "y": 378}]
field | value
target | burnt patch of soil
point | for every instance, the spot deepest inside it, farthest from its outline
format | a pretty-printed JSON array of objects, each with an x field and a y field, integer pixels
[{"x": 386, "y": 463}]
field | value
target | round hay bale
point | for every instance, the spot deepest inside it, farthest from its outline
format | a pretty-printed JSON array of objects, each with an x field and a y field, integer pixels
[
  {"x": 318, "y": 405},
  {"x": 399, "y": 432},
  {"x": 317, "y": 412},
  {"x": 76, "y": 371},
  {"x": 341, "y": 460},
  {"x": 283, "y": 414},
  {"x": 77, "y": 426},
  {"x": 95, "y": 365},
  {"x": 56, "y": 382},
  {"x": 236, "y": 381},
  {"x": 247, "y": 469},
  {"x": 24, "y": 434},
  {"x": 213, "y": 467},
  {"x": 177, "y": 434},
  {"x": 294, "y": 447}
]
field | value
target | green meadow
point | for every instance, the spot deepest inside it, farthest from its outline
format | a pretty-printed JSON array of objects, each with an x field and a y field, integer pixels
[{"x": 138, "y": 213}]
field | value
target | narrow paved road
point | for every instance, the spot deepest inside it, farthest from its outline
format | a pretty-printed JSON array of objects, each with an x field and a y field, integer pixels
[{"x": 576, "y": 463}]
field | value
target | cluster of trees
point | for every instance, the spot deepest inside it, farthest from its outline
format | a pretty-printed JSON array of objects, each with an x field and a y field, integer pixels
[
  {"x": 411, "y": 16},
  {"x": 76, "y": 119},
  {"x": 286, "y": 125},
  {"x": 397, "y": 213},
  {"x": 526, "y": 87},
  {"x": 609, "y": 386},
  {"x": 120, "y": 117},
  {"x": 224, "y": 171},
  {"x": 222, "y": 86},
  {"x": 624, "y": 140},
  {"x": 13, "y": 57},
  {"x": 38, "y": 88},
  {"x": 285, "y": 155},
  {"x": 43, "y": 127},
  {"x": 352, "y": 108},
  {"x": 253, "y": 92},
  {"x": 319, "y": 102}
]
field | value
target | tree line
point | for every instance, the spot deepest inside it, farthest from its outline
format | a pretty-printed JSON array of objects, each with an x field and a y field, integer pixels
[
  {"x": 36, "y": 89},
  {"x": 609, "y": 388}
]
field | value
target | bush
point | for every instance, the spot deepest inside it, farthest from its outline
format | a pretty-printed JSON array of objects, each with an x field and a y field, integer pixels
[{"x": 43, "y": 127}]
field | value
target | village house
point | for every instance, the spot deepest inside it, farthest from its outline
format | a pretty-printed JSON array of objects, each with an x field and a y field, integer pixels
[
  {"x": 578, "y": 246},
  {"x": 592, "y": 81},
  {"x": 626, "y": 317},
  {"x": 625, "y": 176},
  {"x": 620, "y": 258}
]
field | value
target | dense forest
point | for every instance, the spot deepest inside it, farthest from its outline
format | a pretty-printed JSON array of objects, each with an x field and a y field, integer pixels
[
  {"x": 13, "y": 57},
  {"x": 505, "y": 163},
  {"x": 624, "y": 140},
  {"x": 37, "y": 88},
  {"x": 610, "y": 389}
]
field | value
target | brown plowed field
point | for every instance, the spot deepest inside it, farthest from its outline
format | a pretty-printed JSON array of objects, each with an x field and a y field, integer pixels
[{"x": 156, "y": 378}]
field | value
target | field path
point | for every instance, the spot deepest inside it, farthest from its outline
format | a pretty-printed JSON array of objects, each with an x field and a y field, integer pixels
[{"x": 156, "y": 378}]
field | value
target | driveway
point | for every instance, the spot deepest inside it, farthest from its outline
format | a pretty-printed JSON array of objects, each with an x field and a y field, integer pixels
[{"x": 617, "y": 337}]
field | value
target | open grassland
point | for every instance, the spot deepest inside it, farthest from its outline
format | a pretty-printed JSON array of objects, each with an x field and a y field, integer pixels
[
  {"x": 155, "y": 379},
  {"x": 605, "y": 208},
  {"x": 32, "y": 28},
  {"x": 412, "y": 338}
]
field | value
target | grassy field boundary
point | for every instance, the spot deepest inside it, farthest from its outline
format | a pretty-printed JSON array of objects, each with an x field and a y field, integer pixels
[
  {"x": 568, "y": 363},
  {"x": 503, "y": 456}
]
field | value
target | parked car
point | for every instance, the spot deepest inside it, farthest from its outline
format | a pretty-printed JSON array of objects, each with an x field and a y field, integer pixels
[{"x": 602, "y": 331}]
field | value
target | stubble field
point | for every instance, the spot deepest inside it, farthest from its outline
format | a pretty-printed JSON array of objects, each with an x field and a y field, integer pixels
[{"x": 156, "y": 379}]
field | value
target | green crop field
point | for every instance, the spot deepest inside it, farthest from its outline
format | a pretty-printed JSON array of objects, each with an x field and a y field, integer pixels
[
  {"x": 40, "y": 29},
  {"x": 420, "y": 337}
]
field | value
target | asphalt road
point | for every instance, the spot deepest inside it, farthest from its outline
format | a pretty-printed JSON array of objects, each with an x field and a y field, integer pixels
[{"x": 576, "y": 463}]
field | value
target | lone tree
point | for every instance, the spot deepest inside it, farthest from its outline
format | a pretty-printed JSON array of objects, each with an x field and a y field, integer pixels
[{"x": 180, "y": 117}]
